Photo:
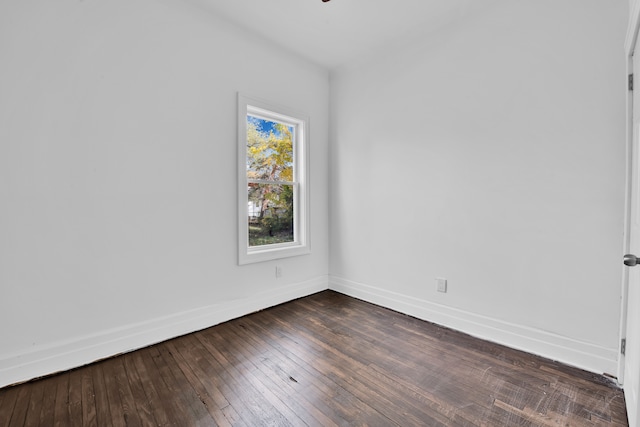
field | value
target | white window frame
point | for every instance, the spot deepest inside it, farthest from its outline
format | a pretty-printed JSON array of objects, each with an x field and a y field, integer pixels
[{"x": 300, "y": 121}]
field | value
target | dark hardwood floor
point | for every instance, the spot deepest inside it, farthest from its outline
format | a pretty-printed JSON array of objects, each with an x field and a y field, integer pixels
[{"x": 323, "y": 360}]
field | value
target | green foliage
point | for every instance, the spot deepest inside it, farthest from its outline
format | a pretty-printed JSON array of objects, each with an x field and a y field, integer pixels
[{"x": 269, "y": 156}]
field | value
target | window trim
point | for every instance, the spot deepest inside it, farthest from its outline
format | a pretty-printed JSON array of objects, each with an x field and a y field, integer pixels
[{"x": 301, "y": 244}]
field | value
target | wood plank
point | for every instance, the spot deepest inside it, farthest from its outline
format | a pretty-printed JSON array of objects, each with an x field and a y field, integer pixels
[
  {"x": 171, "y": 409},
  {"x": 8, "y": 397},
  {"x": 292, "y": 364},
  {"x": 337, "y": 392},
  {"x": 22, "y": 404},
  {"x": 176, "y": 381},
  {"x": 238, "y": 353},
  {"x": 138, "y": 395},
  {"x": 89, "y": 417},
  {"x": 127, "y": 401},
  {"x": 74, "y": 407},
  {"x": 210, "y": 376},
  {"x": 35, "y": 404},
  {"x": 147, "y": 383},
  {"x": 236, "y": 379},
  {"x": 286, "y": 387},
  {"x": 61, "y": 411},
  {"x": 103, "y": 409},
  {"x": 213, "y": 404},
  {"x": 285, "y": 368},
  {"x": 113, "y": 392},
  {"x": 47, "y": 410},
  {"x": 364, "y": 387}
]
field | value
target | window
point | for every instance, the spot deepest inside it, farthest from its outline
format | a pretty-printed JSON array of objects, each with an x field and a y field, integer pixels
[{"x": 272, "y": 181}]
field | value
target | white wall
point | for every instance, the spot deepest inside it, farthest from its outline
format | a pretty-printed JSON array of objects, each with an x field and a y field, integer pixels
[
  {"x": 493, "y": 156},
  {"x": 117, "y": 177}
]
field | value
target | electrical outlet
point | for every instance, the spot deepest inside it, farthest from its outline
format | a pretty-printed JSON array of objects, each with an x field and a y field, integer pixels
[
  {"x": 278, "y": 271},
  {"x": 441, "y": 284}
]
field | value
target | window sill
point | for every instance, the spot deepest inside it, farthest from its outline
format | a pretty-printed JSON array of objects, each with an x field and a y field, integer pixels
[{"x": 271, "y": 252}]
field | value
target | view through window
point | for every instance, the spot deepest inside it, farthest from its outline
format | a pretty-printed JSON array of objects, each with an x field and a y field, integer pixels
[{"x": 270, "y": 181}]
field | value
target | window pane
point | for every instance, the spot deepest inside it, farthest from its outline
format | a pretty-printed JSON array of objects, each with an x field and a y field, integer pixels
[
  {"x": 269, "y": 150},
  {"x": 270, "y": 214}
]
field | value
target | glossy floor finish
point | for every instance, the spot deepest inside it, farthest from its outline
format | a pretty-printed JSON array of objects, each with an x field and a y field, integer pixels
[{"x": 323, "y": 360}]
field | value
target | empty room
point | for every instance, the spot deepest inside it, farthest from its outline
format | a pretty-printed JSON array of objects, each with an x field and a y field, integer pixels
[{"x": 319, "y": 212}]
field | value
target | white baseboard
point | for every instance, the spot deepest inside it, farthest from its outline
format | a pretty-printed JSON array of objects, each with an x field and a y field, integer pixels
[
  {"x": 61, "y": 356},
  {"x": 562, "y": 349}
]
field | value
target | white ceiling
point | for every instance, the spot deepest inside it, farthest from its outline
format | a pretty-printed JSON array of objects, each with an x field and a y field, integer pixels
[{"x": 333, "y": 33}]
